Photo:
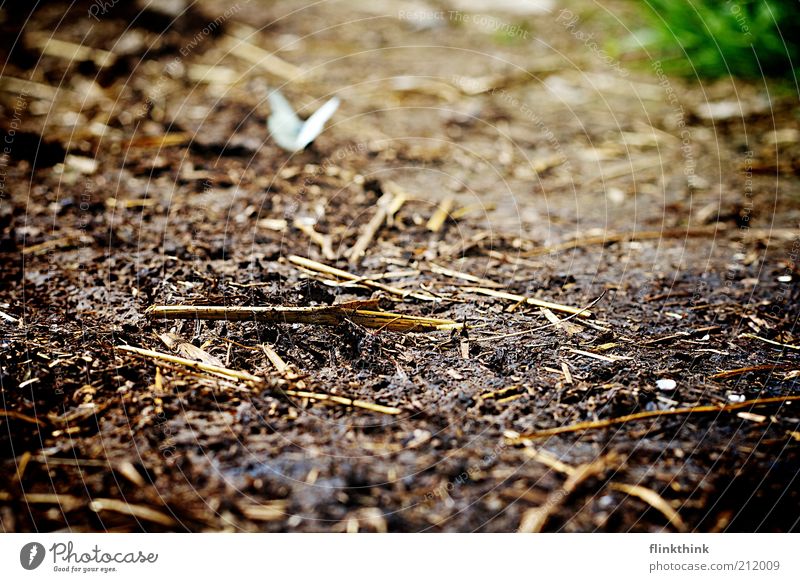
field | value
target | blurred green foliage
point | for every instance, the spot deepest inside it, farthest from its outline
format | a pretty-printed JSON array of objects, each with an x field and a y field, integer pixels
[{"x": 714, "y": 38}]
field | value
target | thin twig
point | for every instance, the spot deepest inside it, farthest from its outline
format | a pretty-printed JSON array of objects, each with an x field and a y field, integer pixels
[
  {"x": 340, "y": 274},
  {"x": 530, "y": 301},
  {"x": 746, "y": 370},
  {"x": 195, "y": 365},
  {"x": 535, "y": 329},
  {"x": 20, "y": 416},
  {"x": 136, "y": 511},
  {"x": 597, "y": 424},
  {"x": 769, "y": 341},
  {"x": 258, "y": 381}
]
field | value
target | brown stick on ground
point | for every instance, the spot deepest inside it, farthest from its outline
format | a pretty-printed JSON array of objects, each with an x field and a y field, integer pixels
[
  {"x": 20, "y": 416},
  {"x": 748, "y": 369},
  {"x": 709, "y": 409},
  {"x": 327, "y": 315}
]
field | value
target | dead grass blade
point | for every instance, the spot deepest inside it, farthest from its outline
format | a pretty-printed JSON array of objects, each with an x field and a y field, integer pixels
[
  {"x": 59, "y": 243},
  {"x": 70, "y": 51},
  {"x": 439, "y": 269}
]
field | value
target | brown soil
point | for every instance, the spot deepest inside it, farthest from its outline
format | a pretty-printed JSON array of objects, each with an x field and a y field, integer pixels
[{"x": 533, "y": 130}]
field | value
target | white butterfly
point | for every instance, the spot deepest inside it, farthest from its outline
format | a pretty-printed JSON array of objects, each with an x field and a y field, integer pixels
[{"x": 288, "y": 130}]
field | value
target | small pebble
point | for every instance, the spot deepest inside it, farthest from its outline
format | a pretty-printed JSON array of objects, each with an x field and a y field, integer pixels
[{"x": 666, "y": 384}]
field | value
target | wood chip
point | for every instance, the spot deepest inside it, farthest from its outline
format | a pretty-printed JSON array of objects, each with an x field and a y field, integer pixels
[
  {"x": 270, "y": 511},
  {"x": 567, "y": 374},
  {"x": 280, "y": 365}
]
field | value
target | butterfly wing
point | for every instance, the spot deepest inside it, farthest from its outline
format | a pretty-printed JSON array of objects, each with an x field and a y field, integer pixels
[
  {"x": 314, "y": 125},
  {"x": 283, "y": 123}
]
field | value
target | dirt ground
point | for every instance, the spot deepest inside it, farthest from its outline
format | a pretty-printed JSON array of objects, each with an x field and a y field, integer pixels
[{"x": 145, "y": 176}]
